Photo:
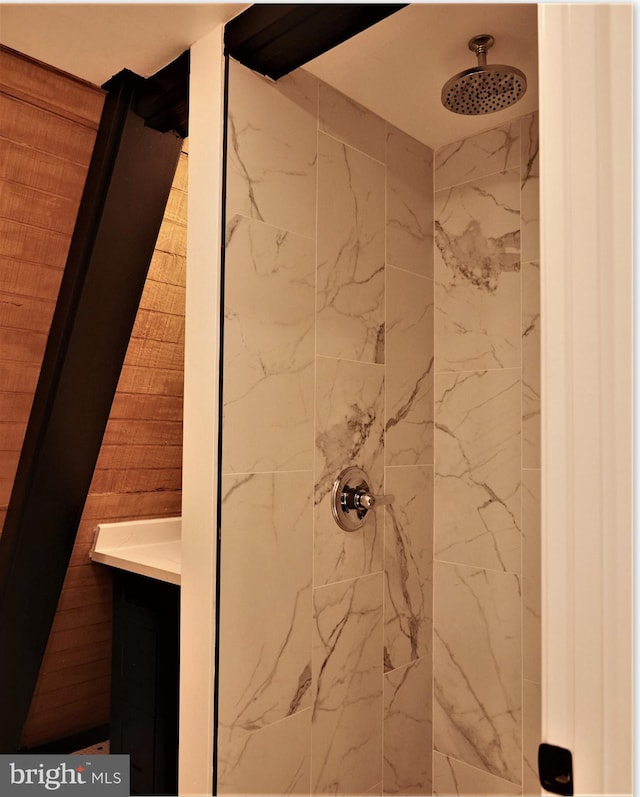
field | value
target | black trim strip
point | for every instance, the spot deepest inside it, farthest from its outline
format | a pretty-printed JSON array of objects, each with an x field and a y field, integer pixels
[
  {"x": 223, "y": 262},
  {"x": 275, "y": 39},
  {"x": 122, "y": 207}
]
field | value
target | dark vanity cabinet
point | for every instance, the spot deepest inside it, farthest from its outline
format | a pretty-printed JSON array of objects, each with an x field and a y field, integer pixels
[{"x": 144, "y": 686}]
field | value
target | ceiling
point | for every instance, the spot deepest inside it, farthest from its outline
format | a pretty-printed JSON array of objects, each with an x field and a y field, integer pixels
[
  {"x": 395, "y": 68},
  {"x": 95, "y": 41}
]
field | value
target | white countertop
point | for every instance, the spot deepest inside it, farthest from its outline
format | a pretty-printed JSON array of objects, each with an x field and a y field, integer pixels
[{"x": 147, "y": 547}]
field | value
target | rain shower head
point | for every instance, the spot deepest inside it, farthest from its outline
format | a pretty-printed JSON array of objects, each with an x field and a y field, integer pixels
[{"x": 483, "y": 88}]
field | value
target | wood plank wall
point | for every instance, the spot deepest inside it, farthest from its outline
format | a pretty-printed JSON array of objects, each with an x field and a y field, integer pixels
[
  {"x": 138, "y": 474},
  {"x": 48, "y": 125}
]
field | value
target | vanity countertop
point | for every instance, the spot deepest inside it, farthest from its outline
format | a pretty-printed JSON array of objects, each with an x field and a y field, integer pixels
[{"x": 147, "y": 547}]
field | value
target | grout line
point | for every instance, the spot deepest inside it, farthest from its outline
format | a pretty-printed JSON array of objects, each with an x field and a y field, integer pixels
[
  {"x": 522, "y": 535},
  {"x": 253, "y": 219},
  {"x": 231, "y": 474},
  {"x": 384, "y": 458},
  {"x": 484, "y": 771},
  {"x": 408, "y": 271},
  {"x": 477, "y": 179},
  {"x": 349, "y": 580},
  {"x": 416, "y": 465},
  {"x": 351, "y": 146},
  {"x": 479, "y": 370},
  {"x": 315, "y": 414},
  {"x": 348, "y": 360},
  {"x": 433, "y": 478},
  {"x": 478, "y": 567}
]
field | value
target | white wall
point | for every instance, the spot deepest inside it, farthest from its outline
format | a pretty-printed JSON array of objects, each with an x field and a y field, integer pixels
[
  {"x": 586, "y": 192},
  {"x": 200, "y": 442}
]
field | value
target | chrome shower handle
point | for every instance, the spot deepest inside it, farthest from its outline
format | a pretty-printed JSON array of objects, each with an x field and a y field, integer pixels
[
  {"x": 369, "y": 500},
  {"x": 351, "y": 499}
]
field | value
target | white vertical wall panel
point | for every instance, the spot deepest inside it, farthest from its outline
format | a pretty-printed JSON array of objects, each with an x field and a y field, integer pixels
[
  {"x": 200, "y": 442},
  {"x": 586, "y": 287}
]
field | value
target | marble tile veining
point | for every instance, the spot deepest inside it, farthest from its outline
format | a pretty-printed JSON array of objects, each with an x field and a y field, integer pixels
[
  {"x": 274, "y": 760},
  {"x": 477, "y": 496},
  {"x": 409, "y": 203},
  {"x": 350, "y": 276},
  {"x": 408, "y": 565},
  {"x": 407, "y": 729},
  {"x": 351, "y": 123},
  {"x": 269, "y": 349},
  {"x": 265, "y": 627},
  {"x": 409, "y": 369},
  {"x": 495, "y": 150},
  {"x": 530, "y": 188},
  {"x": 347, "y": 667},
  {"x": 531, "y": 576},
  {"x": 477, "y": 273},
  {"x": 531, "y": 385},
  {"x": 477, "y": 669},
  {"x": 272, "y": 149},
  {"x": 452, "y": 777},
  {"x": 349, "y": 431}
]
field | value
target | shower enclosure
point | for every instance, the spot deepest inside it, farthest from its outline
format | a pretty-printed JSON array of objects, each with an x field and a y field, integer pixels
[
  {"x": 350, "y": 659},
  {"x": 381, "y": 310}
]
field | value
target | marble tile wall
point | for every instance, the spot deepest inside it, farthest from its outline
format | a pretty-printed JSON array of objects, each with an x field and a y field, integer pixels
[
  {"x": 353, "y": 253},
  {"x": 326, "y": 636},
  {"x": 486, "y": 718}
]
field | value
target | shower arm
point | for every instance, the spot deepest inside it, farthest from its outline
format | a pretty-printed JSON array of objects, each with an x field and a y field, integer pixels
[{"x": 480, "y": 45}]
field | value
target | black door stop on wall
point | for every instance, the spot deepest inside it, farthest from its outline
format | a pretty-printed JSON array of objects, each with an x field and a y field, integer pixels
[{"x": 555, "y": 769}]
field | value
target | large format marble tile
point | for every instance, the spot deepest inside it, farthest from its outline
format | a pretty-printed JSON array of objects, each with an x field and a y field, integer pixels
[
  {"x": 477, "y": 273},
  {"x": 477, "y": 497},
  {"x": 407, "y": 729},
  {"x": 409, "y": 203},
  {"x": 265, "y": 625},
  {"x": 272, "y": 149},
  {"x": 532, "y": 733},
  {"x": 349, "y": 431},
  {"x": 269, "y": 349},
  {"x": 531, "y": 387},
  {"x": 496, "y": 150},
  {"x": 452, "y": 777},
  {"x": 408, "y": 560},
  {"x": 350, "y": 277},
  {"x": 352, "y": 123},
  {"x": 478, "y": 669},
  {"x": 409, "y": 369},
  {"x": 347, "y": 666},
  {"x": 531, "y": 576},
  {"x": 530, "y": 189},
  {"x": 274, "y": 760}
]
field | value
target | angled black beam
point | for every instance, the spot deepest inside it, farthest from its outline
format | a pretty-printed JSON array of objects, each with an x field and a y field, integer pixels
[
  {"x": 275, "y": 39},
  {"x": 122, "y": 207}
]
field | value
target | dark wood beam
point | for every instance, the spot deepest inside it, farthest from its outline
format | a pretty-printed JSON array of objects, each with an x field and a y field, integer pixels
[
  {"x": 275, "y": 39},
  {"x": 120, "y": 214}
]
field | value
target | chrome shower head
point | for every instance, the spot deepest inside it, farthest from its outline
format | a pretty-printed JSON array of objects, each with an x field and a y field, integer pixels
[{"x": 483, "y": 88}]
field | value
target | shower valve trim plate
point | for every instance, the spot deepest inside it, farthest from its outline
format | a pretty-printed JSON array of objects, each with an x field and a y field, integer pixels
[{"x": 351, "y": 499}]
